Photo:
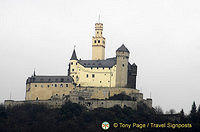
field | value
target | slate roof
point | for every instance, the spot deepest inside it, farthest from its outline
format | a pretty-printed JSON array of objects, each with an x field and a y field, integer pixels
[
  {"x": 122, "y": 49},
  {"x": 74, "y": 57},
  {"x": 108, "y": 63},
  {"x": 49, "y": 79}
]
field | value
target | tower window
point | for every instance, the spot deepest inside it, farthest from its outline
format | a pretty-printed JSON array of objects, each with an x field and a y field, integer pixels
[
  {"x": 93, "y": 75},
  {"x": 95, "y": 41},
  {"x": 48, "y": 86},
  {"x": 123, "y": 65},
  {"x": 87, "y": 75},
  {"x": 66, "y": 85},
  {"x": 76, "y": 63},
  {"x": 61, "y": 85},
  {"x": 55, "y": 85},
  {"x": 98, "y": 41},
  {"x": 35, "y": 85},
  {"x": 71, "y": 63},
  {"x": 100, "y": 81},
  {"x": 97, "y": 32},
  {"x": 72, "y": 69}
]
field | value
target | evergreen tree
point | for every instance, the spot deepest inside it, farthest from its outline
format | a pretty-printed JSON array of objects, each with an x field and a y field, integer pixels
[
  {"x": 193, "y": 113},
  {"x": 182, "y": 112},
  {"x": 194, "y": 108}
]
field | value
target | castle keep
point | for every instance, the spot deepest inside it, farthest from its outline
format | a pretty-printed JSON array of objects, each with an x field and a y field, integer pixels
[{"x": 90, "y": 80}]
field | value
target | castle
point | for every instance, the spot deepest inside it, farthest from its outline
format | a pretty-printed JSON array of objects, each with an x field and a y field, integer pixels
[{"x": 90, "y": 80}]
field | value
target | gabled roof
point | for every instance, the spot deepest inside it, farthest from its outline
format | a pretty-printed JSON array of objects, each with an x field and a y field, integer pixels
[
  {"x": 49, "y": 79},
  {"x": 122, "y": 49},
  {"x": 74, "y": 57},
  {"x": 108, "y": 63}
]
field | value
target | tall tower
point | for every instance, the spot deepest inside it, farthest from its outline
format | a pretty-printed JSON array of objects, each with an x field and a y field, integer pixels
[
  {"x": 122, "y": 55},
  {"x": 72, "y": 71},
  {"x": 98, "y": 43}
]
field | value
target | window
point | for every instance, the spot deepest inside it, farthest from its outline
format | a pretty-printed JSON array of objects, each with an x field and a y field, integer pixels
[
  {"x": 100, "y": 81},
  {"x": 66, "y": 85},
  {"x": 97, "y": 32},
  {"x": 93, "y": 75},
  {"x": 95, "y": 41},
  {"x": 52, "y": 85},
  {"x": 71, "y": 63},
  {"x": 48, "y": 86},
  {"x": 76, "y": 63},
  {"x": 98, "y": 41},
  {"x": 55, "y": 85},
  {"x": 72, "y": 75},
  {"x": 123, "y": 65},
  {"x": 35, "y": 85},
  {"x": 61, "y": 85},
  {"x": 87, "y": 75},
  {"x": 97, "y": 67},
  {"x": 37, "y": 98},
  {"x": 61, "y": 79},
  {"x": 72, "y": 69}
]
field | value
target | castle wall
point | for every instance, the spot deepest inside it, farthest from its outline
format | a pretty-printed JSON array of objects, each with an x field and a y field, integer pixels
[
  {"x": 103, "y": 93},
  {"x": 41, "y": 91},
  {"x": 92, "y": 104},
  {"x": 103, "y": 77},
  {"x": 48, "y": 103}
]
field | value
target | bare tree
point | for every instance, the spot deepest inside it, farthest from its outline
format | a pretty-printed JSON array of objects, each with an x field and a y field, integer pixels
[{"x": 158, "y": 110}]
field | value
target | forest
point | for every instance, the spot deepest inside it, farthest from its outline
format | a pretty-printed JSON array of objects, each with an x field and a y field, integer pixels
[{"x": 72, "y": 117}]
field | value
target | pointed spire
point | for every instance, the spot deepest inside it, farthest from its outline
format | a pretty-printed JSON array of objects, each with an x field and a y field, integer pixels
[
  {"x": 74, "y": 57},
  {"x": 122, "y": 49},
  {"x": 34, "y": 72}
]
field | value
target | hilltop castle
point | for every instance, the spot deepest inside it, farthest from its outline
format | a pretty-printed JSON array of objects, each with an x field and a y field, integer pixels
[{"x": 90, "y": 80}]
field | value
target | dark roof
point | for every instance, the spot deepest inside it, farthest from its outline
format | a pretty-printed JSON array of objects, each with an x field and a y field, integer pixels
[
  {"x": 49, "y": 79},
  {"x": 74, "y": 57},
  {"x": 108, "y": 63},
  {"x": 122, "y": 49}
]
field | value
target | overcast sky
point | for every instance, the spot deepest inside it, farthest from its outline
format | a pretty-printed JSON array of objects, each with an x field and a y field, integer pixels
[{"x": 163, "y": 37}]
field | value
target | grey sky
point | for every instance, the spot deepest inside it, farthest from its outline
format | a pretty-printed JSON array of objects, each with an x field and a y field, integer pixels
[{"x": 163, "y": 37}]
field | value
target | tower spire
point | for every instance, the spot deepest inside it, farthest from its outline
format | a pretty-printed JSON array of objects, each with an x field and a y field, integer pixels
[
  {"x": 74, "y": 57},
  {"x": 34, "y": 72}
]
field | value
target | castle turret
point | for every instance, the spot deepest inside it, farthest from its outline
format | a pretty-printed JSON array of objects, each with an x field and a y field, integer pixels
[
  {"x": 122, "y": 55},
  {"x": 98, "y": 43},
  {"x": 132, "y": 73},
  {"x": 73, "y": 67}
]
